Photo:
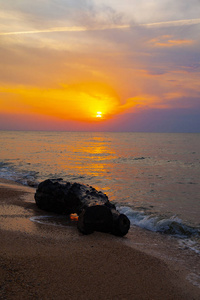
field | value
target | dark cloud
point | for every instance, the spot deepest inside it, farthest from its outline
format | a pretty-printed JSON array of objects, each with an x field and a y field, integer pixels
[
  {"x": 185, "y": 103},
  {"x": 155, "y": 120},
  {"x": 158, "y": 120}
]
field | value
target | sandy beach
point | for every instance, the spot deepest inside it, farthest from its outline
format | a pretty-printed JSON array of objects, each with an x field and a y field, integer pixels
[{"x": 38, "y": 261}]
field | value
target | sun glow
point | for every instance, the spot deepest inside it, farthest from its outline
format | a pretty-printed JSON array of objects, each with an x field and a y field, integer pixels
[
  {"x": 84, "y": 102},
  {"x": 99, "y": 114}
]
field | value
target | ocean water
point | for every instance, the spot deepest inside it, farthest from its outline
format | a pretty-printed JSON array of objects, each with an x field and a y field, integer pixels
[{"x": 154, "y": 178}]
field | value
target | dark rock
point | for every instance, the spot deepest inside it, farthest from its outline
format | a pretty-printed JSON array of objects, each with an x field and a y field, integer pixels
[
  {"x": 104, "y": 219},
  {"x": 95, "y": 218},
  {"x": 96, "y": 212},
  {"x": 121, "y": 223},
  {"x": 51, "y": 195},
  {"x": 66, "y": 198}
]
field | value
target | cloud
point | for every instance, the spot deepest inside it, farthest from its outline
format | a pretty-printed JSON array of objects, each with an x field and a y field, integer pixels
[
  {"x": 66, "y": 29},
  {"x": 109, "y": 27},
  {"x": 154, "y": 120},
  {"x": 75, "y": 16},
  {"x": 51, "y": 16},
  {"x": 145, "y": 62},
  {"x": 184, "y": 22},
  {"x": 169, "y": 41},
  {"x": 156, "y": 11},
  {"x": 79, "y": 102}
]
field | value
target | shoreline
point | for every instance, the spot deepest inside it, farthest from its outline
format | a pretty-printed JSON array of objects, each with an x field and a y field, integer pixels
[{"x": 49, "y": 262}]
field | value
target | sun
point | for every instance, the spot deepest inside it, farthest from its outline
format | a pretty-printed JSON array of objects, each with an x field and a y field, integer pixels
[{"x": 99, "y": 114}]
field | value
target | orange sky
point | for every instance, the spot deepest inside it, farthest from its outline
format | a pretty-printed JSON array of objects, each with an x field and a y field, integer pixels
[{"x": 96, "y": 62}]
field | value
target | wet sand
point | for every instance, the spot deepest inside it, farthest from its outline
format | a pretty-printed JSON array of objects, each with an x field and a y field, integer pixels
[{"x": 38, "y": 261}]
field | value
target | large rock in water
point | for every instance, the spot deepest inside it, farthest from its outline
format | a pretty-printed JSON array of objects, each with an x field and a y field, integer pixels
[{"x": 95, "y": 211}]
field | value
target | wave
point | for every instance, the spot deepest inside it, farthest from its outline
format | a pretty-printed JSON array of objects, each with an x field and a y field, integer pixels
[
  {"x": 153, "y": 222},
  {"x": 172, "y": 226},
  {"x": 190, "y": 243},
  {"x": 9, "y": 171},
  {"x": 129, "y": 159}
]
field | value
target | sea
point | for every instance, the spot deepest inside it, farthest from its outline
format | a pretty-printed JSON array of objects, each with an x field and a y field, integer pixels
[{"x": 153, "y": 178}]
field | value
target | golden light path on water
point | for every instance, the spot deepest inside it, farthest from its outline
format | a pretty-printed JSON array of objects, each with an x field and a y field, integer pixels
[{"x": 156, "y": 171}]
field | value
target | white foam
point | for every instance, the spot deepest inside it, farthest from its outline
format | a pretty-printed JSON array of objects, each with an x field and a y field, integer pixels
[
  {"x": 172, "y": 225},
  {"x": 47, "y": 220},
  {"x": 191, "y": 244},
  {"x": 194, "y": 279}
]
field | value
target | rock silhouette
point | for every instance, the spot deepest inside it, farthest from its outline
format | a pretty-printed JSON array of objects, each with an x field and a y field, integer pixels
[{"x": 95, "y": 211}]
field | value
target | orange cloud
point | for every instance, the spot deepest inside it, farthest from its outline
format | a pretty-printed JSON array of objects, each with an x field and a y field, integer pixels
[
  {"x": 168, "y": 41},
  {"x": 81, "y": 102},
  {"x": 88, "y": 101}
]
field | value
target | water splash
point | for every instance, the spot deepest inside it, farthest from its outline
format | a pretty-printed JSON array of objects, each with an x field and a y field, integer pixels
[{"x": 173, "y": 225}]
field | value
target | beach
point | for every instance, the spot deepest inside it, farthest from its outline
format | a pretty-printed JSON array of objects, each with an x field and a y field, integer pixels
[{"x": 39, "y": 261}]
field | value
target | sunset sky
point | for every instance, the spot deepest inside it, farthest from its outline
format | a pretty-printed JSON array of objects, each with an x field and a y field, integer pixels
[{"x": 100, "y": 65}]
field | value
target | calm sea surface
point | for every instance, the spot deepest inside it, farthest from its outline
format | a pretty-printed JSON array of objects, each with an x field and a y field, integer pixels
[{"x": 153, "y": 178}]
